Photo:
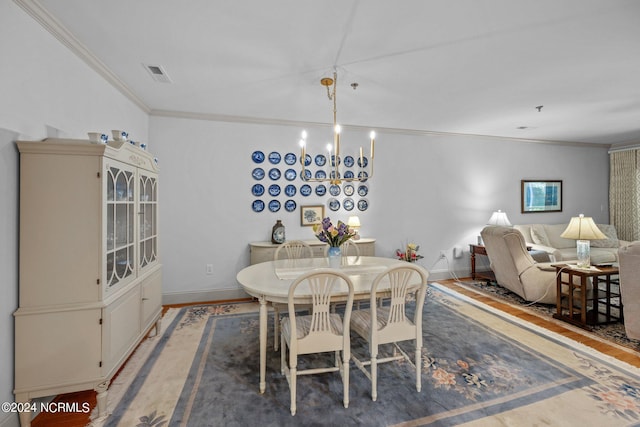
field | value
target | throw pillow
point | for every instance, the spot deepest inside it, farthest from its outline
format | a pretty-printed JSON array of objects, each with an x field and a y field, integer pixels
[
  {"x": 539, "y": 236},
  {"x": 612, "y": 237}
]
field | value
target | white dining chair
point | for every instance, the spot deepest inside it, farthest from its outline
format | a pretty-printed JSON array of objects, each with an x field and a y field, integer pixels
[
  {"x": 389, "y": 323},
  {"x": 318, "y": 332},
  {"x": 292, "y": 249}
]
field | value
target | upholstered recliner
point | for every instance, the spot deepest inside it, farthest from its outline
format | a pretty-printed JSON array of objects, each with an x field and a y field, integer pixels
[
  {"x": 629, "y": 257},
  {"x": 514, "y": 267}
]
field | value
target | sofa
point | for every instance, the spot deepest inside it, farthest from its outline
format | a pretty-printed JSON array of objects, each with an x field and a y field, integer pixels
[
  {"x": 630, "y": 288},
  {"x": 546, "y": 237}
]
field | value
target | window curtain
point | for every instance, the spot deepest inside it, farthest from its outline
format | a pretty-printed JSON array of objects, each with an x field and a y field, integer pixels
[{"x": 624, "y": 187}]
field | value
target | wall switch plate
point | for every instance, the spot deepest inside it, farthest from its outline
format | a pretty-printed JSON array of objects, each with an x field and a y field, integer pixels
[{"x": 209, "y": 269}]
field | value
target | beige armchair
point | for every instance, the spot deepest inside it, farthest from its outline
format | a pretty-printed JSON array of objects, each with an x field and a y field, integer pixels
[
  {"x": 514, "y": 267},
  {"x": 629, "y": 258}
]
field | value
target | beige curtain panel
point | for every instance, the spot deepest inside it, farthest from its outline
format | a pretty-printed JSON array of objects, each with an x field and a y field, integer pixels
[{"x": 624, "y": 187}]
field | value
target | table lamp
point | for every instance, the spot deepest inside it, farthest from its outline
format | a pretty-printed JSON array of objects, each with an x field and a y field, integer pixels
[
  {"x": 499, "y": 218},
  {"x": 583, "y": 229},
  {"x": 354, "y": 222}
]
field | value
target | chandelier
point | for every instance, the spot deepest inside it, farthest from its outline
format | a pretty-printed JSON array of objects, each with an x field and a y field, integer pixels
[{"x": 333, "y": 159}]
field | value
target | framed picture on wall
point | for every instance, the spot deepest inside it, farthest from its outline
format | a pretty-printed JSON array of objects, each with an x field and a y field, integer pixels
[
  {"x": 311, "y": 215},
  {"x": 541, "y": 196}
]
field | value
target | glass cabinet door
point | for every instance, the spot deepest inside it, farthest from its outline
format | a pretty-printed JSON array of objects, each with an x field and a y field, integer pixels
[
  {"x": 148, "y": 217},
  {"x": 120, "y": 206}
]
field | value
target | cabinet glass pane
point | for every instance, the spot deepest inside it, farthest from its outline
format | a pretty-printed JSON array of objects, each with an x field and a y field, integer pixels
[
  {"x": 148, "y": 228},
  {"x": 110, "y": 226}
]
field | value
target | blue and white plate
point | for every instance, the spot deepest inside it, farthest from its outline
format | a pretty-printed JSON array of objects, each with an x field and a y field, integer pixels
[
  {"x": 290, "y": 174},
  {"x": 321, "y": 190},
  {"x": 290, "y": 190},
  {"x": 333, "y": 160},
  {"x": 333, "y": 204},
  {"x": 348, "y": 189},
  {"x": 290, "y": 206},
  {"x": 307, "y": 160},
  {"x": 274, "y": 157},
  {"x": 321, "y": 174},
  {"x": 363, "y": 176},
  {"x": 348, "y": 204},
  {"x": 334, "y": 190},
  {"x": 320, "y": 160},
  {"x": 363, "y": 163},
  {"x": 257, "y": 156},
  {"x": 257, "y": 173},
  {"x": 305, "y": 190},
  {"x": 348, "y": 175},
  {"x": 363, "y": 190},
  {"x": 257, "y": 190},
  {"x": 333, "y": 175},
  {"x": 363, "y": 204},
  {"x": 257, "y": 205},
  {"x": 348, "y": 161},
  {"x": 290, "y": 159},
  {"x": 274, "y": 173},
  {"x": 306, "y": 176},
  {"x": 274, "y": 189},
  {"x": 274, "y": 206}
]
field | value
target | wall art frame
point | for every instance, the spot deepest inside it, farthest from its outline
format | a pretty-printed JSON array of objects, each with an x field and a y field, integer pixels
[
  {"x": 311, "y": 215},
  {"x": 539, "y": 195}
]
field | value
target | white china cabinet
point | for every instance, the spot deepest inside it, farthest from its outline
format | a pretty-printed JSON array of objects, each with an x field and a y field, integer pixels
[{"x": 90, "y": 274}]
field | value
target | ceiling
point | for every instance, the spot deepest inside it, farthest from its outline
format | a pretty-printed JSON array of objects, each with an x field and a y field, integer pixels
[{"x": 478, "y": 67}]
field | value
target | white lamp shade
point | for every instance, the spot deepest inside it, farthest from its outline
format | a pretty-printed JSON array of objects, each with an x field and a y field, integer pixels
[
  {"x": 353, "y": 221},
  {"x": 499, "y": 218},
  {"x": 582, "y": 228}
]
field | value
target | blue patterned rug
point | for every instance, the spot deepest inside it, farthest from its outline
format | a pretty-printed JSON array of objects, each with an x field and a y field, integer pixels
[{"x": 480, "y": 367}]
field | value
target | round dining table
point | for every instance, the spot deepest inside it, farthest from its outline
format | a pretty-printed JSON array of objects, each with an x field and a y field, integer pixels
[{"x": 269, "y": 282}]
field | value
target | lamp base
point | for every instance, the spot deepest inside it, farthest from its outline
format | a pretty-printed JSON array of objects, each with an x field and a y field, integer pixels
[{"x": 583, "y": 249}]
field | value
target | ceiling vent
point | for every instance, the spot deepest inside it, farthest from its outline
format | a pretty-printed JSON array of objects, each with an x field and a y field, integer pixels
[{"x": 158, "y": 73}]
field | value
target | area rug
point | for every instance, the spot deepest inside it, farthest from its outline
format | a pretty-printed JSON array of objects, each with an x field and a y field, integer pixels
[
  {"x": 480, "y": 367},
  {"x": 612, "y": 332}
]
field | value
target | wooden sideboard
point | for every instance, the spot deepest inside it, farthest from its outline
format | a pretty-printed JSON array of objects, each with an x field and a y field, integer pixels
[{"x": 264, "y": 251}]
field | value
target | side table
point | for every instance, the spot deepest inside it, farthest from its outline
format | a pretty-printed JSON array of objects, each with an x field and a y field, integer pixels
[
  {"x": 577, "y": 304},
  {"x": 475, "y": 250}
]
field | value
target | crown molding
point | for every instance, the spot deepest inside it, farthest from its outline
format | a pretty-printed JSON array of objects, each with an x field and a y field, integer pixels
[{"x": 60, "y": 32}]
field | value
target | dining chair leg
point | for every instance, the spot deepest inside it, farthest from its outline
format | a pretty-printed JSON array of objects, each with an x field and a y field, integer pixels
[
  {"x": 292, "y": 386},
  {"x": 283, "y": 356},
  {"x": 418, "y": 368},
  {"x": 374, "y": 377},
  {"x": 345, "y": 381},
  {"x": 276, "y": 326}
]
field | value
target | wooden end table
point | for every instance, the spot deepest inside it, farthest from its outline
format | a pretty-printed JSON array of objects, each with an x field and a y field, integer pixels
[
  {"x": 582, "y": 307},
  {"x": 485, "y": 275}
]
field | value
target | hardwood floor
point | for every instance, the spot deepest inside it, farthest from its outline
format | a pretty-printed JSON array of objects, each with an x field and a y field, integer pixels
[{"x": 628, "y": 356}]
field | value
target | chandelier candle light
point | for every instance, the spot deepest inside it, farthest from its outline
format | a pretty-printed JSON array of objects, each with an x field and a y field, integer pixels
[
  {"x": 334, "y": 176},
  {"x": 583, "y": 229}
]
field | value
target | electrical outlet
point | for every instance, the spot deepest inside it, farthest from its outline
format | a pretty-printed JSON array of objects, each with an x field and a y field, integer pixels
[
  {"x": 443, "y": 254},
  {"x": 209, "y": 269}
]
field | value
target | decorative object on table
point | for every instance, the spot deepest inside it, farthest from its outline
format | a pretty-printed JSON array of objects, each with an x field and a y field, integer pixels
[
  {"x": 410, "y": 253},
  {"x": 334, "y": 236},
  {"x": 583, "y": 229},
  {"x": 499, "y": 218},
  {"x": 334, "y": 150},
  {"x": 541, "y": 196},
  {"x": 354, "y": 223},
  {"x": 119, "y": 135},
  {"x": 311, "y": 215},
  {"x": 98, "y": 138},
  {"x": 277, "y": 233}
]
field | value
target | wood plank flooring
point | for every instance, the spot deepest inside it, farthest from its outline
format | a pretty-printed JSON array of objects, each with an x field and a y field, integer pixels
[{"x": 630, "y": 357}]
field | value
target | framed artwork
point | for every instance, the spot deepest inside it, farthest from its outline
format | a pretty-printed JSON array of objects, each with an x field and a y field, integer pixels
[
  {"x": 541, "y": 196},
  {"x": 311, "y": 215}
]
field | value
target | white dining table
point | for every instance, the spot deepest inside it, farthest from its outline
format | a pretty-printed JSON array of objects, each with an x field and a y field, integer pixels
[{"x": 269, "y": 282}]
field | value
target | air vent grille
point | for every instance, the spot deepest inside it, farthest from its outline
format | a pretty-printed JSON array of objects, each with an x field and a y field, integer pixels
[{"x": 158, "y": 73}]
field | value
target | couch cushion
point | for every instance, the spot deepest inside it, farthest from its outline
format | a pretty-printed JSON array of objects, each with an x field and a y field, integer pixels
[
  {"x": 539, "y": 235},
  {"x": 612, "y": 237},
  {"x": 525, "y": 229},
  {"x": 555, "y": 241}
]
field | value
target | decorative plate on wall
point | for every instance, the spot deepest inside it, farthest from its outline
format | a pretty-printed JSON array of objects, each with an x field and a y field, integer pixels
[
  {"x": 274, "y": 157},
  {"x": 305, "y": 190},
  {"x": 290, "y": 174},
  {"x": 290, "y": 158},
  {"x": 290, "y": 190},
  {"x": 334, "y": 190},
  {"x": 257, "y": 173},
  {"x": 348, "y": 189},
  {"x": 348, "y": 174},
  {"x": 333, "y": 204},
  {"x": 290, "y": 206},
  {"x": 307, "y": 175},
  {"x": 348, "y": 204},
  {"x": 257, "y": 206},
  {"x": 321, "y": 174},
  {"x": 363, "y": 163},
  {"x": 363, "y": 204},
  {"x": 307, "y": 160},
  {"x": 320, "y": 160},
  {"x": 274, "y": 206},
  {"x": 363, "y": 190},
  {"x": 274, "y": 173},
  {"x": 257, "y": 156},
  {"x": 321, "y": 190},
  {"x": 348, "y": 161},
  {"x": 274, "y": 189},
  {"x": 363, "y": 176},
  {"x": 257, "y": 190}
]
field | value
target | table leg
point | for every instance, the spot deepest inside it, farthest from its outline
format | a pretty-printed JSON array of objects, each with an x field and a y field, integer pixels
[
  {"x": 263, "y": 344},
  {"x": 473, "y": 265}
]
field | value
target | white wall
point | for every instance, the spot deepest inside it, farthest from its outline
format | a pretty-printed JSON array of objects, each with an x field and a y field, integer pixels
[
  {"x": 437, "y": 191},
  {"x": 46, "y": 91}
]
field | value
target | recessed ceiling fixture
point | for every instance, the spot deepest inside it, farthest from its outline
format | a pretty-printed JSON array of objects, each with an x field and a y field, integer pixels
[
  {"x": 158, "y": 73},
  {"x": 333, "y": 160}
]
